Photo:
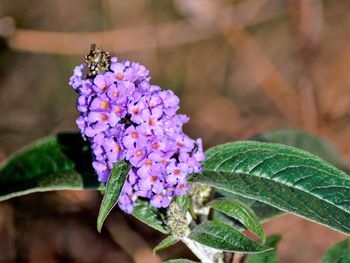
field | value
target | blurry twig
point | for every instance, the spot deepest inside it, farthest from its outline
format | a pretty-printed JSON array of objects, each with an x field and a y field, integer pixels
[
  {"x": 264, "y": 72},
  {"x": 131, "y": 242},
  {"x": 262, "y": 69},
  {"x": 333, "y": 103},
  {"x": 238, "y": 257},
  {"x": 308, "y": 20},
  {"x": 7, "y": 234},
  {"x": 119, "y": 40}
]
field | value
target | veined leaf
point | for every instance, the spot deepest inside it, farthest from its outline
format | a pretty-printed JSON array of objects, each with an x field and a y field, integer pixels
[
  {"x": 167, "y": 242},
  {"x": 113, "y": 189},
  {"x": 149, "y": 215},
  {"x": 60, "y": 162},
  {"x": 263, "y": 211},
  {"x": 307, "y": 142},
  {"x": 294, "y": 138},
  {"x": 339, "y": 253},
  {"x": 241, "y": 213},
  {"x": 268, "y": 256},
  {"x": 221, "y": 236},
  {"x": 287, "y": 178}
]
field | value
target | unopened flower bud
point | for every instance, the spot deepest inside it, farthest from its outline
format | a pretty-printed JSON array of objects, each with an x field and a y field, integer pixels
[
  {"x": 176, "y": 221},
  {"x": 199, "y": 194}
]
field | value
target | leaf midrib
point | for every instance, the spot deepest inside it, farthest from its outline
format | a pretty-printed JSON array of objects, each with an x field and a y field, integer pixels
[
  {"x": 225, "y": 238},
  {"x": 264, "y": 175},
  {"x": 282, "y": 208},
  {"x": 303, "y": 157}
]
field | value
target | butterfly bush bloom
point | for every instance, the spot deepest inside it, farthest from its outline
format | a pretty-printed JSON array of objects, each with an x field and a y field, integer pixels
[{"x": 125, "y": 117}]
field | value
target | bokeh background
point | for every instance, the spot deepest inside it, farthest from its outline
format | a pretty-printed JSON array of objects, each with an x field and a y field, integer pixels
[{"x": 240, "y": 67}]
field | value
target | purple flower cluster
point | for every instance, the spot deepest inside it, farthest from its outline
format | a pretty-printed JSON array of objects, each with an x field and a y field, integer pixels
[{"x": 127, "y": 118}]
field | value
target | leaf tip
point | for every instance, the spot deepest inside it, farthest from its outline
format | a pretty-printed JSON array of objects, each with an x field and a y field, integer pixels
[{"x": 99, "y": 224}]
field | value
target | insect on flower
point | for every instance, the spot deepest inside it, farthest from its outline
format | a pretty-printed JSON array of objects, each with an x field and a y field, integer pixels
[{"x": 97, "y": 61}]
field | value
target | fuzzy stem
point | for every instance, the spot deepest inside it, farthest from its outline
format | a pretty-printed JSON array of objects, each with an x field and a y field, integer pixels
[{"x": 204, "y": 253}]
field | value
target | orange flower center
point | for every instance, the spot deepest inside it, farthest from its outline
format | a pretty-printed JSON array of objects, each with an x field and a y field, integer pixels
[
  {"x": 155, "y": 146},
  {"x": 148, "y": 163},
  {"x": 116, "y": 94},
  {"x": 138, "y": 153},
  {"x": 181, "y": 186},
  {"x": 153, "y": 178},
  {"x": 104, "y": 87},
  {"x": 104, "y": 104},
  {"x": 117, "y": 148},
  {"x": 176, "y": 171},
  {"x": 151, "y": 122},
  {"x": 118, "y": 110},
  {"x": 104, "y": 117},
  {"x": 135, "y": 111},
  {"x": 119, "y": 76},
  {"x": 134, "y": 135},
  {"x": 159, "y": 196},
  {"x": 180, "y": 144}
]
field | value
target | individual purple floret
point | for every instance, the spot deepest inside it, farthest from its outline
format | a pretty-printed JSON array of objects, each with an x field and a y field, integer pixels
[{"x": 126, "y": 118}]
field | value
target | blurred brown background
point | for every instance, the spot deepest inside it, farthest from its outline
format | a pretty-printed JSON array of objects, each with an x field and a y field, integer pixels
[{"x": 241, "y": 67}]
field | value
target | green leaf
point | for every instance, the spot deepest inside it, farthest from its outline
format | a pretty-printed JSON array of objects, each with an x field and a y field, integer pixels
[
  {"x": 339, "y": 253},
  {"x": 60, "y": 162},
  {"x": 221, "y": 236},
  {"x": 113, "y": 189},
  {"x": 149, "y": 215},
  {"x": 263, "y": 211},
  {"x": 180, "y": 260},
  {"x": 167, "y": 242},
  {"x": 268, "y": 256},
  {"x": 298, "y": 139},
  {"x": 241, "y": 213},
  {"x": 308, "y": 142},
  {"x": 287, "y": 178}
]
